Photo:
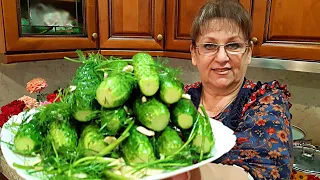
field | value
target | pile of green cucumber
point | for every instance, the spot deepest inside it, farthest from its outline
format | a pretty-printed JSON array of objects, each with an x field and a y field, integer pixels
[{"x": 117, "y": 118}]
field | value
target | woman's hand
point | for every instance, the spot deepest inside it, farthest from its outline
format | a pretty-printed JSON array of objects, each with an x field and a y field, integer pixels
[
  {"x": 212, "y": 171},
  {"x": 183, "y": 176}
]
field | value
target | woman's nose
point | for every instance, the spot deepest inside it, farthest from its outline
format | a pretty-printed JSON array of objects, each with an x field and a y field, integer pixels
[{"x": 222, "y": 55}]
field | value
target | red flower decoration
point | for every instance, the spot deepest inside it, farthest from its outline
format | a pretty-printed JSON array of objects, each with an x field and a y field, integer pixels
[
  {"x": 13, "y": 108},
  {"x": 3, "y": 119},
  {"x": 53, "y": 98}
]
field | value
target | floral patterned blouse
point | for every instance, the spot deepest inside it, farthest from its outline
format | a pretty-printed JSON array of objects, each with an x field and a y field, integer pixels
[{"x": 260, "y": 118}]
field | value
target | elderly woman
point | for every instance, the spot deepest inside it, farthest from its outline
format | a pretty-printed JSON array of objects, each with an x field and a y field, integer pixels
[{"x": 257, "y": 112}]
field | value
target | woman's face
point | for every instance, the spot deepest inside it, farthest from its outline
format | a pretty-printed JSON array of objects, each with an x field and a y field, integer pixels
[{"x": 222, "y": 69}]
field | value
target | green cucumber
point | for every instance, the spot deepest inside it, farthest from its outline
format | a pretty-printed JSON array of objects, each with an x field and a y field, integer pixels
[
  {"x": 137, "y": 148},
  {"x": 168, "y": 142},
  {"x": 146, "y": 73},
  {"x": 63, "y": 136},
  {"x": 86, "y": 82},
  {"x": 92, "y": 140},
  {"x": 115, "y": 90},
  {"x": 28, "y": 138},
  {"x": 203, "y": 140},
  {"x": 171, "y": 89},
  {"x": 112, "y": 120},
  {"x": 82, "y": 115},
  {"x": 153, "y": 113},
  {"x": 183, "y": 113}
]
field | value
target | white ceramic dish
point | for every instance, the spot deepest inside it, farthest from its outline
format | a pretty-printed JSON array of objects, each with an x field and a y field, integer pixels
[{"x": 224, "y": 142}]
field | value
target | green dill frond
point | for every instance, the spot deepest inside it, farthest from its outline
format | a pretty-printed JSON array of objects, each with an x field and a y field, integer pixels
[
  {"x": 166, "y": 71},
  {"x": 81, "y": 55},
  {"x": 51, "y": 112}
]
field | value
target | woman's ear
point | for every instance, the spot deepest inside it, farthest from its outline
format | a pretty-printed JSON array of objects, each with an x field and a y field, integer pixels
[{"x": 193, "y": 54}]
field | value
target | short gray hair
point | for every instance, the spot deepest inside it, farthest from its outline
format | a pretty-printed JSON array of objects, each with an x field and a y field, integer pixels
[{"x": 231, "y": 10}]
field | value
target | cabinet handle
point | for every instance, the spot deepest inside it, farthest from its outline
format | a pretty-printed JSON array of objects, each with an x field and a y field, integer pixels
[
  {"x": 159, "y": 37},
  {"x": 254, "y": 40},
  {"x": 94, "y": 35}
]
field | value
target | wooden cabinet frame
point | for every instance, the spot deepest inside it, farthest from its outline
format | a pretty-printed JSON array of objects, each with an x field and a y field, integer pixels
[
  {"x": 16, "y": 43},
  {"x": 2, "y": 37}
]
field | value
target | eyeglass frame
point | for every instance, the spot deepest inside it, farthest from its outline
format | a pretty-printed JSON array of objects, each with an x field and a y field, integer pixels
[{"x": 223, "y": 45}]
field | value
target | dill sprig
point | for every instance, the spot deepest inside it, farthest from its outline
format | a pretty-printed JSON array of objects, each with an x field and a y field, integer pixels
[{"x": 165, "y": 70}]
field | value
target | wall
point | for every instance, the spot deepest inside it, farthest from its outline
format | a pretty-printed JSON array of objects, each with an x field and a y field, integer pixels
[{"x": 303, "y": 86}]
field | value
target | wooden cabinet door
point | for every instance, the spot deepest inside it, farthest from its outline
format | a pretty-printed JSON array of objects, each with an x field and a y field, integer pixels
[
  {"x": 287, "y": 29},
  {"x": 131, "y": 24},
  {"x": 179, "y": 18},
  {"x": 247, "y": 4},
  {"x": 23, "y": 34}
]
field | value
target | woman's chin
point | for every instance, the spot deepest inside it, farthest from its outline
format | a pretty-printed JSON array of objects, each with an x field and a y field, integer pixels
[{"x": 221, "y": 83}]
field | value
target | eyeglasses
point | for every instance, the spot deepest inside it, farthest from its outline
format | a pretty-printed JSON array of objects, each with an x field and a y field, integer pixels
[{"x": 231, "y": 48}]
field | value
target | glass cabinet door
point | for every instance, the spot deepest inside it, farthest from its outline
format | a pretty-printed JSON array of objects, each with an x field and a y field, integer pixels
[
  {"x": 50, "y": 25},
  {"x": 51, "y": 17}
]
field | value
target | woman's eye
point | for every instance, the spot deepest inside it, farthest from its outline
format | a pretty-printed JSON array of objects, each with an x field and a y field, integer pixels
[
  {"x": 233, "y": 46},
  {"x": 210, "y": 46}
]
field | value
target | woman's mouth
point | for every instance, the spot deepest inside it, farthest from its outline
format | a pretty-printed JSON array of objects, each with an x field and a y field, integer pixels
[{"x": 221, "y": 71}]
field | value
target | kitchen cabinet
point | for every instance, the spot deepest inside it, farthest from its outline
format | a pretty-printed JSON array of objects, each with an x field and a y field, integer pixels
[
  {"x": 179, "y": 17},
  {"x": 20, "y": 36},
  {"x": 286, "y": 29},
  {"x": 282, "y": 29},
  {"x": 131, "y": 24}
]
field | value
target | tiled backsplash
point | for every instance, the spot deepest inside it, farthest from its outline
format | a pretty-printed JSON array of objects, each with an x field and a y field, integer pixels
[{"x": 304, "y": 87}]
